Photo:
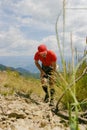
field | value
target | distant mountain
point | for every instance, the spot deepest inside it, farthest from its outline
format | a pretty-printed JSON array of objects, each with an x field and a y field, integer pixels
[
  {"x": 27, "y": 73},
  {"x": 21, "y": 71},
  {"x": 25, "y": 62},
  {"x": 3, "y": 67}
]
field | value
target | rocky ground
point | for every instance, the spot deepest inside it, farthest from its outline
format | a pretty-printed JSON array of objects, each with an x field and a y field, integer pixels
[{"x": 20, "y": 112}]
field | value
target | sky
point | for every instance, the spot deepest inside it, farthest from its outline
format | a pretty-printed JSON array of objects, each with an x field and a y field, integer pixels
[{"x": 25, "y": 24}]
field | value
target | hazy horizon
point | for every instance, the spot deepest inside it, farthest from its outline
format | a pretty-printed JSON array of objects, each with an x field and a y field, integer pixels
[{"x": 26, "y": 62}]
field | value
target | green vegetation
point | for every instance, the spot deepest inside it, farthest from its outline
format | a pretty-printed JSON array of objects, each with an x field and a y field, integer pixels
[
  {"x": 73, "y": 90},
  {"x": 72, "y": 81}
]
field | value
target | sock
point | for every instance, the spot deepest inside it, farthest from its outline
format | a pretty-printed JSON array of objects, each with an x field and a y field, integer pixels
[
  {"x": 52, "y": 91},
  {"x": 45, "y": 88}
]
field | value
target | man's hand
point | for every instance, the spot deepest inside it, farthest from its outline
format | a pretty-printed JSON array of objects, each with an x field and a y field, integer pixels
[{"x": 42, "y": 74}]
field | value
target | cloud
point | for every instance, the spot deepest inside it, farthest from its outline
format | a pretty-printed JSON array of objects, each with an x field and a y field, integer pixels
[
  {"x": 27, "y": 23},
  {"x": 39, "y": 10},
  {"x": 13, "y": 43}
]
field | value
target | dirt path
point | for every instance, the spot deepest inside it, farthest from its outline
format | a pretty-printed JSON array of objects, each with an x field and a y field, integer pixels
[{"x": 20, "y": 113}]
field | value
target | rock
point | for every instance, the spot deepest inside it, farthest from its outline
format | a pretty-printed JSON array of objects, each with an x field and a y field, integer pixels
[
  {"x": 43, "y": 123},
  {"x": 16, "y": 115}
]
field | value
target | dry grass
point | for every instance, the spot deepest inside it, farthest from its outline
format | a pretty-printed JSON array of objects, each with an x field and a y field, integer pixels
[{"x": 11, "y": 81}]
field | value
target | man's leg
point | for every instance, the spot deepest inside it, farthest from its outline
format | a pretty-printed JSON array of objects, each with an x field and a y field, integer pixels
[
  {"x": 52, "y": 90},
  {"x": 45, "y": 88}
]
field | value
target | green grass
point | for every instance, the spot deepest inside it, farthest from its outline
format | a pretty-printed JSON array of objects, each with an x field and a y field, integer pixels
[{"x": 71, "y": 82}]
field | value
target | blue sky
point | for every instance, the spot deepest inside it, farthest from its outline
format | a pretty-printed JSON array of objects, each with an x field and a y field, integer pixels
[{"x": 24, "y": 24}]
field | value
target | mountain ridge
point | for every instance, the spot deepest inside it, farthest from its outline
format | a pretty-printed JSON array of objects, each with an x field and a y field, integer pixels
[{"x": 20, "y": 70}]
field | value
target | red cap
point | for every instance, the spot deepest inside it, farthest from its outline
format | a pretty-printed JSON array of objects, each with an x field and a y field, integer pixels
[{"x": 42, "y": 49}]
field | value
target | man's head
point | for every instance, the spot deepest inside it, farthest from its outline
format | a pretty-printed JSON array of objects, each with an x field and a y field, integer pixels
[{"x": 42, "y": 50}]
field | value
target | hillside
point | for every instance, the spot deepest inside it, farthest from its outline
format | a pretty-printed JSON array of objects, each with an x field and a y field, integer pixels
[
  {"x": 22, "y": 106},
  {"x": 20, "y": 113}
]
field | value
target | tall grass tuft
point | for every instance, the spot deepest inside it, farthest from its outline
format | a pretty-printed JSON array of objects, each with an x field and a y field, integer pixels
[{"x": 68, "y": 80}]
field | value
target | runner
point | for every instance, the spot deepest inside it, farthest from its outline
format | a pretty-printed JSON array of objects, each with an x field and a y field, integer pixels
[{"x": 47, "y": 68}]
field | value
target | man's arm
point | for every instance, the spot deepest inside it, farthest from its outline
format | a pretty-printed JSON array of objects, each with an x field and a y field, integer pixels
[
  {"x": 40, "y": 68},
  {"x": 54, "y": 66}
]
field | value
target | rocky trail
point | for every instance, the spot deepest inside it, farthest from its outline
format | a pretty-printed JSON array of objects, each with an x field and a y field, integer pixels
[{"x": 23, "y": 112}]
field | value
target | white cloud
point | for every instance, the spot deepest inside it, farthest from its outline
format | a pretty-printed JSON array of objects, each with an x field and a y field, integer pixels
[
  {"x": 13, "y": 43},
  {"x": 21, "y": 21},
  {"x": 40, "y": 10}
]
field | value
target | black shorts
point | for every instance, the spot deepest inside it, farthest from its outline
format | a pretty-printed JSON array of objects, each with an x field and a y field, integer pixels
[{"x": 47, "y": 70}]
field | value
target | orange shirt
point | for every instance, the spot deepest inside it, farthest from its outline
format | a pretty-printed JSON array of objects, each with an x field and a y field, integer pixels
[{"x": 46, "y": 61}]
